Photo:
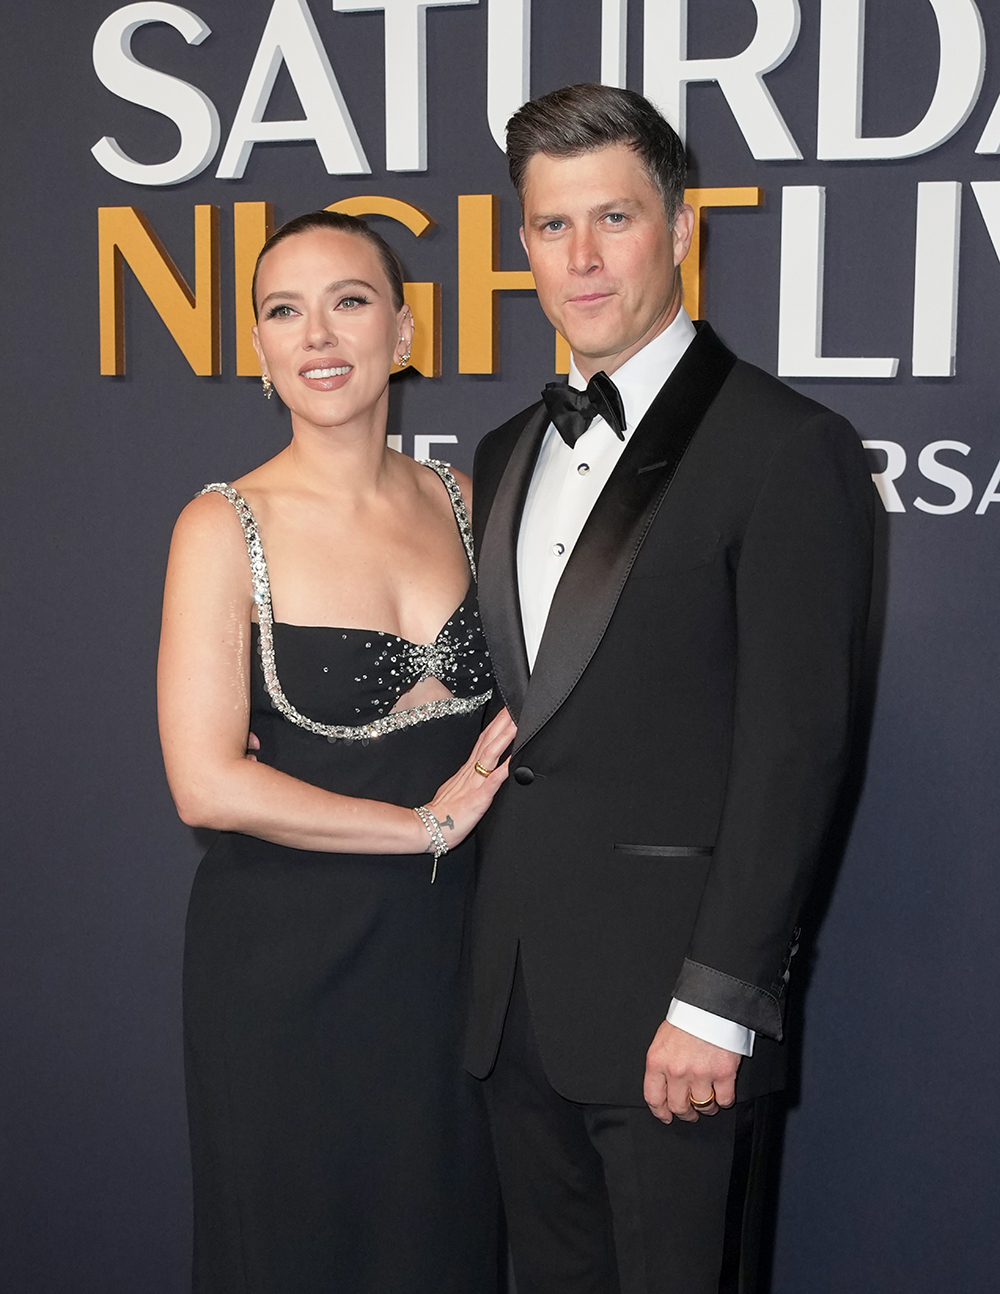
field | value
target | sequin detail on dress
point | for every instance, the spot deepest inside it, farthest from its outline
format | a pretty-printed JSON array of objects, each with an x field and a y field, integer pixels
[{"x": 406, "y": 663}]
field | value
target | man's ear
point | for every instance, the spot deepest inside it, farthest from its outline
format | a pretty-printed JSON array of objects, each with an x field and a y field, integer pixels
[
  {"x": 523, "y": 243},
  {"x": 682, "y": 232}
]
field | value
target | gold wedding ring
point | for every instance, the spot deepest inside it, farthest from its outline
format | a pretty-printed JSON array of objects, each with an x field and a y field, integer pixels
[
  {"x": 702, "y": 1105},
  {"x": 483, "y": 772}
]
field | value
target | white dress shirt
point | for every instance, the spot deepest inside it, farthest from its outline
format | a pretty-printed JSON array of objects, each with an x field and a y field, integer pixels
[{"x": 563, "y": 490}]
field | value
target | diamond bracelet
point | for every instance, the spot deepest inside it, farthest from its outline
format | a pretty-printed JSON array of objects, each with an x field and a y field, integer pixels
[{"x": 438, "y": 842}]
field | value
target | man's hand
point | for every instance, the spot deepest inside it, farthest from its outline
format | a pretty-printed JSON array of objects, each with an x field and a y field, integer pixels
[{"x": 681, "y": 1067}]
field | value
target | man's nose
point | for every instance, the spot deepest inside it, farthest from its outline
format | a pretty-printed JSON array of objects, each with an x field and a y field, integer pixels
[{"x": 584, "y": 253}]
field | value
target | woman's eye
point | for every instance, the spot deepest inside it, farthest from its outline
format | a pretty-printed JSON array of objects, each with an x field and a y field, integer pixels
[
  {"x": 279, "y": 312},
  {"x": 352, "y": 303}
]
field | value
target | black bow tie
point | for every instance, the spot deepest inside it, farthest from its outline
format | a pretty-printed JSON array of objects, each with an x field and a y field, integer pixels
[{"x": 573, "y": 411}]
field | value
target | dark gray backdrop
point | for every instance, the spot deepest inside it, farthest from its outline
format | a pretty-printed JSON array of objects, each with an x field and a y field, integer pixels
[{"x": 892, "y": 1143}]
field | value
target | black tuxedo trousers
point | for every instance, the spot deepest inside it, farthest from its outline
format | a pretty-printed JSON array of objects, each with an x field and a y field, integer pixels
[{"x": 683, "y": 737}]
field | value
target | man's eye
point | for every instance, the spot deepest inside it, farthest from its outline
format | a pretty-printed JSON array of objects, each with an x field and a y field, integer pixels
[
  {"x": 553, "y": 226},
  {"x": 615, "y": 217}
]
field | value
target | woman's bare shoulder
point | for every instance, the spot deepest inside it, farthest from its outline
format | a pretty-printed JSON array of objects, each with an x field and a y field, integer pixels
[
  {"x": 208, "y": 543},
  {"x": 208, "y": 516}
]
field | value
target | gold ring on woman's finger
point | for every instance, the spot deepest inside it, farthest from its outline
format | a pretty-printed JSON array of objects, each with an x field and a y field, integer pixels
[
  {"x": 702, "y": 1105},
  {"x": 483, "y": 772}
]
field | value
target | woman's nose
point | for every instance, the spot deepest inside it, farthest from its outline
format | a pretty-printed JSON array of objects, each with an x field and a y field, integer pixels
[{"x": 319, "y": 329}]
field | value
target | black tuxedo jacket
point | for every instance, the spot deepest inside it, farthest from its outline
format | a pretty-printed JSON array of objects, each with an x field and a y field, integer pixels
[{"x": 683, "y": 737}]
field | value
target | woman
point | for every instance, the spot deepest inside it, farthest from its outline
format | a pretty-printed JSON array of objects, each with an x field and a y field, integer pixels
[{"x": 336, "y": 1143}]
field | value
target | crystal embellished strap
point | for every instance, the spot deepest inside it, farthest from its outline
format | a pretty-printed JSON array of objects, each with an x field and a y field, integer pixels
[
  {"x": 255, "y": 550},
  {"x": 458, "y": 506},
  {"x": 262, "y": 597}
]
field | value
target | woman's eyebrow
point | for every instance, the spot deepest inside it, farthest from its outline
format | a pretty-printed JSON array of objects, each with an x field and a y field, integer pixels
[
  {"x": 330, "y": 287},
  {"x": 351, "y": 283},
  {"x": 287, "y": 296}
]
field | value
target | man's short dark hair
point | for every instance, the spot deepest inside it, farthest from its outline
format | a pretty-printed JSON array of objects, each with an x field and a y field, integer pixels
[{"x": 581, "y": 118}]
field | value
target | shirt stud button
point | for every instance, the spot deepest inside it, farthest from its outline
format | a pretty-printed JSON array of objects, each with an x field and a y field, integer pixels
[
  {"x": 583, "y": 469},
  {"x": 558, "y": 549}
]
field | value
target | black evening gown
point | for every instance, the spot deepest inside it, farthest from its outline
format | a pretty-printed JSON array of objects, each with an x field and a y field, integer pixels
[{"x": 338, "y": 1147}]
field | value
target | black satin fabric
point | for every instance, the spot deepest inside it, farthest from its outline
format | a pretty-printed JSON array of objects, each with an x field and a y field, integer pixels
[{"x": 337, "y": 1143}]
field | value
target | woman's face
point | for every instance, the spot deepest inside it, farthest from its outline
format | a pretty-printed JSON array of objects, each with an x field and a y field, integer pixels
[{"x": 328, "y": 332}]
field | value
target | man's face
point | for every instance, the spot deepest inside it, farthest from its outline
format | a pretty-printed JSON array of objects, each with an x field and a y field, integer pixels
[{"x": 604, "y": 259}]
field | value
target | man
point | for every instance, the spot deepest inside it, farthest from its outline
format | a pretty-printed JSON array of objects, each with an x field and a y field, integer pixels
[{"x": 674, "y": 577}]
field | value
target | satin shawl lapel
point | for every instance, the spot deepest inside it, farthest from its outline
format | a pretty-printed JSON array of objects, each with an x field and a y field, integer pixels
[
  {"x": 499, "y": 600},
  {"x": 595, "y": 575}
]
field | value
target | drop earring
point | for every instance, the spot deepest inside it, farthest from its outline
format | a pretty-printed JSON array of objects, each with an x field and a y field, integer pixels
[
  {"x": 268, "y": 388},
  {"x": 403, "y": 359}
]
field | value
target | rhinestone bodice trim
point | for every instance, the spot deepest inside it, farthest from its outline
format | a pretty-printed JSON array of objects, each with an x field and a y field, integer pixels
[{"x": 404, "y": 663}]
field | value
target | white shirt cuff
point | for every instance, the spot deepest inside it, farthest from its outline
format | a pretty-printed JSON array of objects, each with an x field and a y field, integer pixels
[{"x": 715, "y": 1029}]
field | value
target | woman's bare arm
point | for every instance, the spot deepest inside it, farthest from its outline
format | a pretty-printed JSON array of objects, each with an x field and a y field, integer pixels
[{"x": 204, "y": 711}]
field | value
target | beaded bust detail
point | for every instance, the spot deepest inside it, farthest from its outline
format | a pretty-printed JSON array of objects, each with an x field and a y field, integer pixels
[{"x": 458, "y": 656}]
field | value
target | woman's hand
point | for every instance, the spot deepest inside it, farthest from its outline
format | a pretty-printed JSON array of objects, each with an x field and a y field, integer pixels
[{"x": 460, "y": 802}]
